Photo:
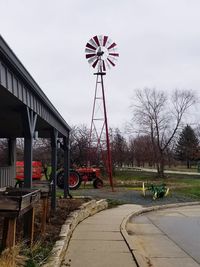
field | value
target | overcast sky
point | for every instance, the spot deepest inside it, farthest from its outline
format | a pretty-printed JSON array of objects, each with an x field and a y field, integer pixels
[{"x": 158, "y": 42}]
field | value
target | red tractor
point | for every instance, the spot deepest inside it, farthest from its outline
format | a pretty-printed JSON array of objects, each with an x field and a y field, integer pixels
[
  {"x": 86, "y": 174},
  {"x": 75, "y": 176}
]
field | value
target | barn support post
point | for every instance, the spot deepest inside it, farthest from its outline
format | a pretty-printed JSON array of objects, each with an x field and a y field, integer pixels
[
  {"x": 66, "y": 149},
  {"x": 30, "y": 119},
  {"x": 54, "y": 161},
  {"x": 12, "y": 156}
]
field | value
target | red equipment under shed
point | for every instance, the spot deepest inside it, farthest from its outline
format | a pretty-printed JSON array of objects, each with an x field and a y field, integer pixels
[{"x": 36, "y": 170}]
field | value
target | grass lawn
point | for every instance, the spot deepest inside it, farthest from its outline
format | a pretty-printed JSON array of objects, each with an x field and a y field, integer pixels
[{"x": 188, "y": 185}]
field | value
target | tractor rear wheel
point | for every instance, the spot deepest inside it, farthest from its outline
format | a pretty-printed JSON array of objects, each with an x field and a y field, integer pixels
[
  {"x": 74, "y": 180},
  {"x": 98, "y": 183}
]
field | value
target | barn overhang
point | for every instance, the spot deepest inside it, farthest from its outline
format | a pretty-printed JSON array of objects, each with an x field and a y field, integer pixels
[
  {"x": 19, "y": 91},
  {"x": 25, "y": 110}
]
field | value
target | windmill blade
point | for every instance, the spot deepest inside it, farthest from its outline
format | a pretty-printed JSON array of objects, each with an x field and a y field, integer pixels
[
  {"x": 96, "y": 40},
  {"x": 90, "y": 55},
  {"x": 100, "y": 38},
  {"x": 95, "y": 63},
  {"x": 93, "y": 43},
  {"x": 112, "y": 45},
  {"x": 108, "y": 42},
  {"x": 91, "y": 60},
  {"x": 105, "y": 39},
  {"x": 112, "y": 63},
  {"x": 114, "y": 59},
  {"x": 107, "y": 64},
  {"x": 88, "y": 51},
  {"x": 104, "y": 65},
  {"x": 114, "y": 54},
  {"x": 91, "y": 46}
]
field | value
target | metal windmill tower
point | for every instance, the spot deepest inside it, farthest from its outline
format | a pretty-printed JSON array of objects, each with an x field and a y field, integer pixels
[{"x": 101, "y": 53}]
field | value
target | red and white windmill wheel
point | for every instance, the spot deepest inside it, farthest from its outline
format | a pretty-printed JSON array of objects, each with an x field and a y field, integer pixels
[{"x": 101, "y": 51}]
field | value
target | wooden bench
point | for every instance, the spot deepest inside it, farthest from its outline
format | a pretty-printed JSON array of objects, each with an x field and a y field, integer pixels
[{"x": 15, "y": 203}]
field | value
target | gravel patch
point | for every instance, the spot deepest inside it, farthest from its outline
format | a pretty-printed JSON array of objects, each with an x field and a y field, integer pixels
[{"x": 129, "y": 196}]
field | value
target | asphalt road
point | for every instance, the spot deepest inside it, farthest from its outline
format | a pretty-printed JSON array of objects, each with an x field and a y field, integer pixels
[{"x": 180, "y": 225}]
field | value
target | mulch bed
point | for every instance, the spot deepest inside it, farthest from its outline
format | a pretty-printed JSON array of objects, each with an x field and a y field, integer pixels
[{"x": 57, "y": 218}]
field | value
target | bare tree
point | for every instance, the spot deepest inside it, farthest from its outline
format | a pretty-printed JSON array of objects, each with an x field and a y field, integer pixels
[
  {"x": 4, "y": 155},
  {"x": 143, "y": 150},
  {"x": 79, "y": 140},
  {"x": 160, "y": 117},
  {"x": 119, "y": 148},
  {"x": 42, "y": 150}
]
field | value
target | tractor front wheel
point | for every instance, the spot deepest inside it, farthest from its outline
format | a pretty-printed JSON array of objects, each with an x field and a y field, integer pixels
[
  {"x": 74, "y": 180},
  {"x": 98, "y": 183}
]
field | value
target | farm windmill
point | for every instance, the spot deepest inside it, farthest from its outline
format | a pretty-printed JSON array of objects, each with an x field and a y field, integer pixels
[{"x": 101, "y": 53}]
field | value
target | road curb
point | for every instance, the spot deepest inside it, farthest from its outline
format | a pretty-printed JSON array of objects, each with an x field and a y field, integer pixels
[
  {"x": 85, "y": 210},
  {"x": 141, "y": 259}
]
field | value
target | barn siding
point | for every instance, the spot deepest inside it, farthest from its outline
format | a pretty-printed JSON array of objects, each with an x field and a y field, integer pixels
[
  {"x": 7, "y": 176},
  {"x": 19, "y": 89}
]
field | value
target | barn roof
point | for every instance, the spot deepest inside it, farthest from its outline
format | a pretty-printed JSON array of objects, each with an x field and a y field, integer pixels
[{"x": 19, "y": 91}]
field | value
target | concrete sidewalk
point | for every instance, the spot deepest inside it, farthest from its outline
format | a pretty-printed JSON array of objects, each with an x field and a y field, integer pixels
[
  {"x": 97, "y": 241},
  {"x": 108, "y": 238}
]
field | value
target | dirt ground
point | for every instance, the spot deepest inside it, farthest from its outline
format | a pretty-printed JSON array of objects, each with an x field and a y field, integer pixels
[{"x": 57, "y": 218}]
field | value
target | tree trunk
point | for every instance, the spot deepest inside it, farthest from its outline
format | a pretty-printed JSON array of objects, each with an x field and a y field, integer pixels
[
  {"x": 160, "y": 165},
  {"x": 158, "y": 169},
  {"x": 188, "y": 163}
]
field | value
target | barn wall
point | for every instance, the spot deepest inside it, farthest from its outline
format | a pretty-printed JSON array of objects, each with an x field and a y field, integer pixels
[{"x": 6, "y": 176}]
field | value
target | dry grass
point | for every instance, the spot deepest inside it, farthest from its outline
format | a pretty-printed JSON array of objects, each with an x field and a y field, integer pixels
[{"x": 12, "y": 258}]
